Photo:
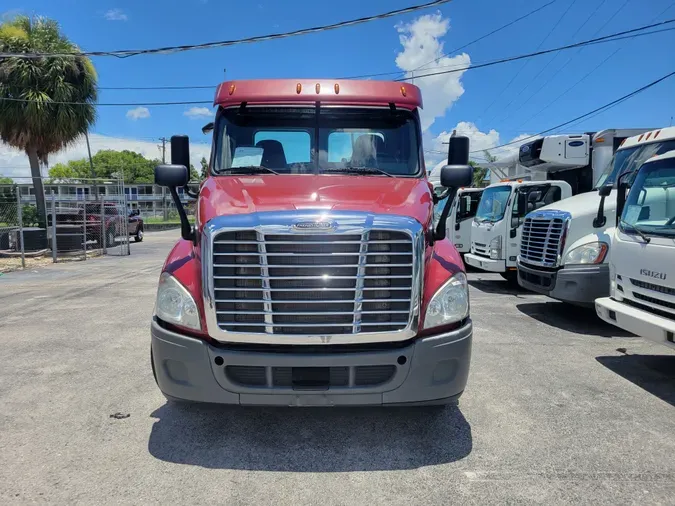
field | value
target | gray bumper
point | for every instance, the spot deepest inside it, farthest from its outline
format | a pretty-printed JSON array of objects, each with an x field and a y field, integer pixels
[
  {"x": 579, "y": 285},
  {"x": 431, "y": 370}
]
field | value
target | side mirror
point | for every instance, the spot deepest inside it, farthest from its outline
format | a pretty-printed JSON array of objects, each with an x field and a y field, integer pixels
[
  {"x": 534, "y": 196},
  {"x": 600, "y": 219},
  {"x": 605, "y": 190},
  {"x": 522, "y": 203},
  {"x": 171, "y": 176},
  {"x": 180, "y": 150},
  {"x": 174, "y": 177},
  {"x": 453, "y": 177},
  {"x": 458, "y": 150},
  {"x": 208, "y": 128},
  {"x": 456, "y": 176},
  {"x": 462, "y": 206}
]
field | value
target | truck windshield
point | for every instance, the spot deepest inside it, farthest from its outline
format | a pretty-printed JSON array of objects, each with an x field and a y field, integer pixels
[
  {"x": 650, "y": 207},
  {"x": 493, "y": 204},
  {"x": 630, "y": 159},
  {"x": 286, "y": 140}
]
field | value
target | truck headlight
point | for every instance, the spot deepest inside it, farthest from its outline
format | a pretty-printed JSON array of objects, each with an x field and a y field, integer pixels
[
  {"x": 175, "y": 304},
  {"x": 591, "y": 253},
  {"x": 496, "y": 248},
  {"x": 449, "y": 304}
]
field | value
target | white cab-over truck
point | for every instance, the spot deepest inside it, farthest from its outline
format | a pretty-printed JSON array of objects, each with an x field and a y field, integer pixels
[
  {"x": 564, "y": 252},
  {"x": 642, "y": 264},
  {"x": 462, "y": 210},
  {"x": 497, "y": 226}
]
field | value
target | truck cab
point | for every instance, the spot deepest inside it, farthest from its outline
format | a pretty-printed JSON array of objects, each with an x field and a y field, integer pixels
[
  {"x": 460, "y": 217},
  {"x": 314, "y": 275},
  {"x": 641, "y": 270},
  {"x": 565, "y": 251},
  {"x": 496, "y": 229}
]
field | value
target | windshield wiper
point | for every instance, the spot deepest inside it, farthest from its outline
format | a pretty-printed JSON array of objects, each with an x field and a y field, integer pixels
[
  {"x": 358, "y": 170},
  {"x": 249, "y": 169},
  {"x": 639, "y": 232}
]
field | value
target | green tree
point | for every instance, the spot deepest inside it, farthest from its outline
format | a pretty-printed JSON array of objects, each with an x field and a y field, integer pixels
[
  {"x": 6, "y": 180},
  {"x": 33, "y": 118},
  {"x": 205, "y": 168},
  {"x": 109, "y": 164},
  {"x": 478, "y": 174}
]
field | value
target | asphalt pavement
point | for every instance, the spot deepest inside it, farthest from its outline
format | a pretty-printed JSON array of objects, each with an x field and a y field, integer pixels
[{"x": 560, "y": 408}]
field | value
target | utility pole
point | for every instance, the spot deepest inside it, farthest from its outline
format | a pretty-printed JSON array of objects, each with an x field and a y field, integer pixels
[
  {"x": 163, "y": 148},
  {"x": 91, "y": 167}
]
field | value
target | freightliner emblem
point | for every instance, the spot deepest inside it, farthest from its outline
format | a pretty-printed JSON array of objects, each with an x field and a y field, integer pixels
[{"x": 315, "y": 226}]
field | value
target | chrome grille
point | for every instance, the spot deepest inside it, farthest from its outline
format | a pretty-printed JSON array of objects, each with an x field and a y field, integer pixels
[
  {"x": 300, "y": 284},
  {"x": 542, "y": 239}
]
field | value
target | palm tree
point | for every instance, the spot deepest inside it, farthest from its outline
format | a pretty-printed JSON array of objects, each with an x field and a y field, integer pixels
[{"x": 33, "y": 116}]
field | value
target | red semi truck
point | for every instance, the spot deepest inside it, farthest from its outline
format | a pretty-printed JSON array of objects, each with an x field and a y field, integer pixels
[{"x": 314, "y": 274}]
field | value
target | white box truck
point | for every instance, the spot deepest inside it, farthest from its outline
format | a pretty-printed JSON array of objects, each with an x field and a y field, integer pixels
[
  {"x": 497, "y": 226},
  {"x": 642, "y": 264},
  {"x": 564, "y": 249}
]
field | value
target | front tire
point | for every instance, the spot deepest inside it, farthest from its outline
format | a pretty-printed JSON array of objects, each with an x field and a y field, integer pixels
[{"x": 139, "y": 235}]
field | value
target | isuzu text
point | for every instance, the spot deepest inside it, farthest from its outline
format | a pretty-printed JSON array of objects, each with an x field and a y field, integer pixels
[{"x": 314, "y": 274}]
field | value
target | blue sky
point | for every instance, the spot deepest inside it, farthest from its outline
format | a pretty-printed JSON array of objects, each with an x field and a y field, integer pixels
[{"x": 478, "y": 102}]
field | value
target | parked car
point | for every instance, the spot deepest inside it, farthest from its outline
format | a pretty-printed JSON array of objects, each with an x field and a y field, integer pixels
[{"x": 112, "y": 227}]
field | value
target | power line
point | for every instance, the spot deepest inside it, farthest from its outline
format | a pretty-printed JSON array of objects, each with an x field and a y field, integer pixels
[
  {"x": 626, "y": 34},
  {"x": 522, "y": 68},
  {"x": 598, "y": 40},
  {"x": 585, "y": 115},
  {"x": 571, "y": 57},
  {"x": 589, "y": 73},
  {"x": 484, "y": 36},
  {"x": 126, "y": 53}
]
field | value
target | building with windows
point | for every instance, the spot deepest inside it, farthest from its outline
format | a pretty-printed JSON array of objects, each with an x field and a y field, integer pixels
[{"x": 149, "y": 199}]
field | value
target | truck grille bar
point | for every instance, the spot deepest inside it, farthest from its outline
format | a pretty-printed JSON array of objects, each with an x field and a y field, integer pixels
[
  {"x": 278, "y": 281},
  {"x": 543, "y": 238}
]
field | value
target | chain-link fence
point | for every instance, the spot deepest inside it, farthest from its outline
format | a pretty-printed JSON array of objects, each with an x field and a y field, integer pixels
[{"x": 82, "y": 219}]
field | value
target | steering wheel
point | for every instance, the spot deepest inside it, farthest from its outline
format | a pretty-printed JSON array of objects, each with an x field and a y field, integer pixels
[{"x": 670, "y": 221}]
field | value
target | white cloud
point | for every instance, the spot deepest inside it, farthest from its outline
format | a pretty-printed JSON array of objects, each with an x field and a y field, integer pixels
[
  {"x": 14, "y": 163},
  {"x": 478, "y": 141},
  {"x": 138, "y": 113},
  {"x": 198, "y": 113},
  {"x": 422, "y": 47},
  {"x": 116, "y": 15}
]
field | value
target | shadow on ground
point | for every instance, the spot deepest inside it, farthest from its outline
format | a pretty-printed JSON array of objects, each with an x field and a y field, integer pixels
[
  {"x": 653, "y": 373},
  {"x": 571, "y": 318},
  {"x": 309, "y": 440},
  {"x": 498, "y": 285}
]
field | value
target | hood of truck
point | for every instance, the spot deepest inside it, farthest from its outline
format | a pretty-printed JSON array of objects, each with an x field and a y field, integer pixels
[
  {"x": 583, "y": 209},
  {"x": 584, "y": 204},
  {"x": 228, "y": 195}
]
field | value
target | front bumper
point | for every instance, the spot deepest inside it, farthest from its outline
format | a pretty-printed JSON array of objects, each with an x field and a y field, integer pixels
[
  {"x": 637, "y": 321},
  {"x": 431, "y": 370},
  {"x": 579, "y": 285},
  {"x": 484, "y": 263}
]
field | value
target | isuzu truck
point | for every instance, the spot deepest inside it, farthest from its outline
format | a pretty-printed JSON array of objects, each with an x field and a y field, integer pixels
[
  {"x": 313, "y": 275},
  {"x": 642, "y": 265},
  {"x": 565, "y": 246}
]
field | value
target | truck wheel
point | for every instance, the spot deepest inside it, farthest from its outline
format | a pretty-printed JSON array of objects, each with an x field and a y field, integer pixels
[
  {"x": 139, "y": 235},
  {"x": 510, "y": 276}
]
